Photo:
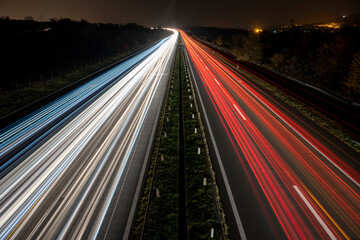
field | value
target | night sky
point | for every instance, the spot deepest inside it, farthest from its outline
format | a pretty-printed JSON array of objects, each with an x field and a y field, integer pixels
[{"x": 218, "y": 13}]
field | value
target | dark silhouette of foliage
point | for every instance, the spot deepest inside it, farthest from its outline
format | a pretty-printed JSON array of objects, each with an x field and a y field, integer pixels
[
  {"x": 352, "y": 82},
  {"x": 331, "y": 62},
  {"x": 34, "y": 51},
  {"x": 247, "y": 47},
  {"x": 321, "y": 58}
]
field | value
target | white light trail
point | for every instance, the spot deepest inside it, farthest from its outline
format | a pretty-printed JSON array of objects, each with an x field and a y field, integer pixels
[{"x": 26, "y": 189}]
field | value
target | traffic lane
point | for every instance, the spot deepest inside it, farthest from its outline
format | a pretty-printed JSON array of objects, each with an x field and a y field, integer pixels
[
  {"x": 326, "y": 177},
  {"x": 217, "y": 86},
  {"x": 77, "y": 176},
  {"x": 251, "y": 154},
  {"x": 39, "y": 170},
  {"x": 276, "y": 160},
  {"x": 293, "y": 131},
  {"x": 124, "y": 186},
  {"x": 307, "y": 126},
  {"x": 256, "y": 216},
  {"x": 321, "y": 181},
  {"x": 103, "y": 109},
  {"x": 350, "y": 157},
  {"x": 247, "y": 97}
]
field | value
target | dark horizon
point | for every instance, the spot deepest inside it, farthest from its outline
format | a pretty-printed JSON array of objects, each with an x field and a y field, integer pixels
[{"x": 173, "y": 13}]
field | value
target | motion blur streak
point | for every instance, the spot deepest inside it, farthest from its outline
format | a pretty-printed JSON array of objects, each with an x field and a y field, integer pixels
[
  {"x": 19, "y": 138},
  {"x": 313, "y": 193},
  {"x": 64, "y": 188}
]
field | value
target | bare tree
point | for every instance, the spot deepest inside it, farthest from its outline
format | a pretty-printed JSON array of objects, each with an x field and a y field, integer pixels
[{"x": 29, "y": 18}]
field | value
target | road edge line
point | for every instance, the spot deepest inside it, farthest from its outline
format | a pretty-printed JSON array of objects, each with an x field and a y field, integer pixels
[
  {"x": 226, "y": 181},
  {"x": 134, "y": 204}
]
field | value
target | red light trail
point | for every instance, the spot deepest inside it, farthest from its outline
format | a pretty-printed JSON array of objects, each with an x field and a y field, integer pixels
[{"x": 312, "y": 191}]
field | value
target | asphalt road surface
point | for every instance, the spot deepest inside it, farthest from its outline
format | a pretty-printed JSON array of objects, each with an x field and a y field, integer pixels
[
  {"x": 280, "y": 175},
  {"x": 83, "y": 180}
]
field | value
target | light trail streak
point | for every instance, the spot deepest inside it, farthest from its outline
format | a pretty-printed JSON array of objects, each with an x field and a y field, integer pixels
[
  {"x": 257, "y": 71},
  {"x": 320, "y": 220},
  {"x": 63, "y": 189},
  {"x": 281, "y": 154},
  {"x": 48, "y": 118}
]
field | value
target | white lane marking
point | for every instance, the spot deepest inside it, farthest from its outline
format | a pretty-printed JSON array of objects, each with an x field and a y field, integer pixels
[
  {"x": 226, "y": 181},
  {"x": 217, "y": 81},
  {"x": 239, "y": 111},
  {"x": 307, "y": 141},
  {"x": 313, "y": 211}
]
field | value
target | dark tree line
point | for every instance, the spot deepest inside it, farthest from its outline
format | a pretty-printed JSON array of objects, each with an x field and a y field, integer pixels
[
  {"x": 329, "y": 60},
  {"x": 32, "y": 50}
]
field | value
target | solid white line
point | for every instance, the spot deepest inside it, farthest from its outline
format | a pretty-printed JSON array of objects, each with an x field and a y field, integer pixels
[
  {"x": 226, "y": 181},
  {"x": 239, "y": 111},
  {"x": 143, "y": 169},
  {"x": 316, "y": 215}
]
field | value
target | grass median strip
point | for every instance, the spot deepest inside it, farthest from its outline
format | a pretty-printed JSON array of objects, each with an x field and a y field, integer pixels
[{"x": 180, "y": 198}]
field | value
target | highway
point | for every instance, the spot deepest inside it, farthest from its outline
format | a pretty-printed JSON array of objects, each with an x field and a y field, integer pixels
[
  {"x": 280, "y": 175},
  {"x": 331, "y": 106},
  {"x": 77, "y": 164}
]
